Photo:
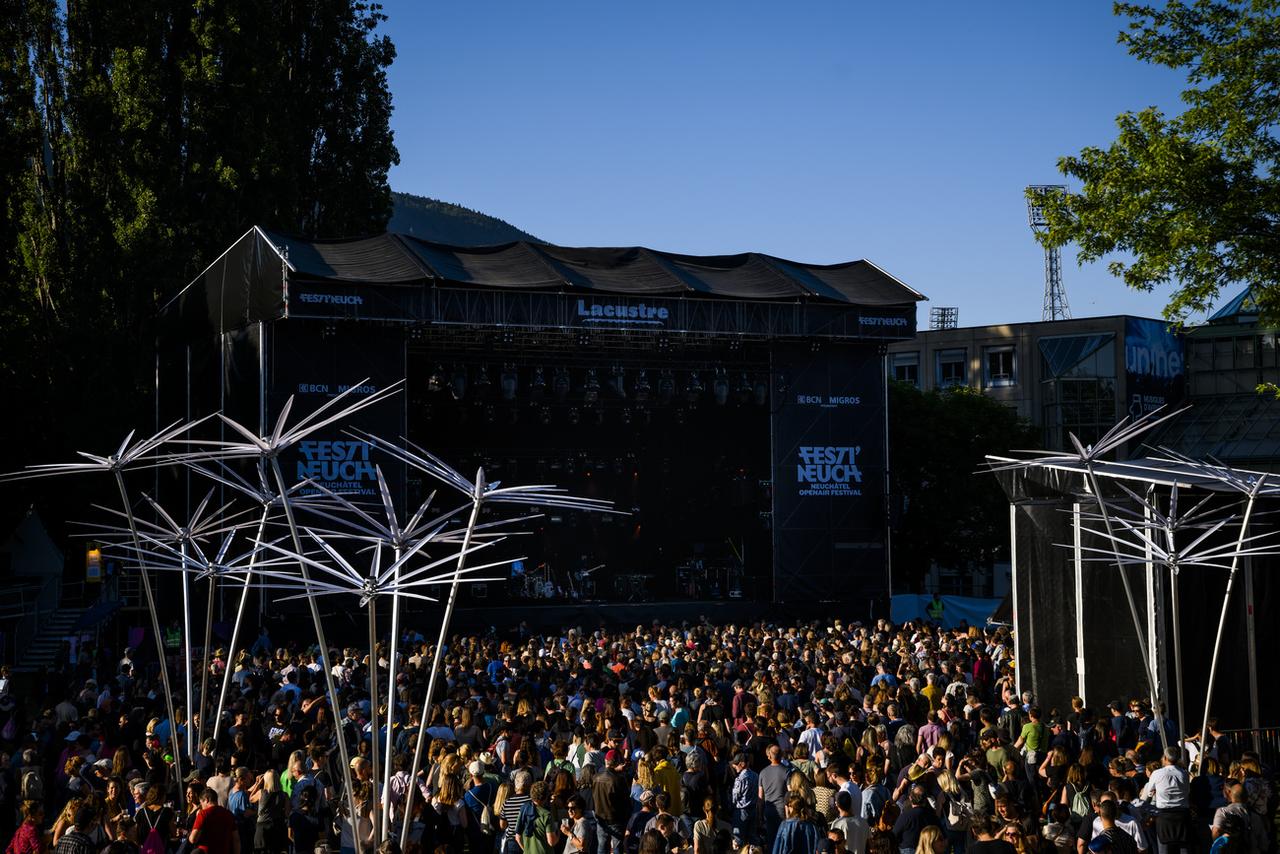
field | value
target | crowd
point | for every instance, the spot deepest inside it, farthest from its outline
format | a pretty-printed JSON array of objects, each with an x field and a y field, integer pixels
[{"x": 790, "y": 739}]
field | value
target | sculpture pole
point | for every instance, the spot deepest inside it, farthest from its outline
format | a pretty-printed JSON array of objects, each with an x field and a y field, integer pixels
[
  {"x": 228, "y": 672},
  {"x": 1222, "y": 620},
  {"x": 477, "y": 498},
  {"x": 155, "y": 626},
  {"x": 324, "y": 655},
  {"x": 391, "y": 697},
  {"x": 186, "y": 642},
  {"x": 375, "y": 815},
  {"x": 1092, "y": 480},
  {"x": 204, "y": 671}
]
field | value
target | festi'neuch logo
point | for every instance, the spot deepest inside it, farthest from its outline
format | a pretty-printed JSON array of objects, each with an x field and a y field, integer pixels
[
  {"x": 829, "y": 470},
  {"x": 337, "y": 464}
]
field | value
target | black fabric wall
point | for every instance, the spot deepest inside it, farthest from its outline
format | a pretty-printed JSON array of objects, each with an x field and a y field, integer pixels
[{"x": 828, "y": 423}]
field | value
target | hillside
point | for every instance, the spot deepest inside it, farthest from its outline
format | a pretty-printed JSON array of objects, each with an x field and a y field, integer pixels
[{"x": 442, "y": 222}]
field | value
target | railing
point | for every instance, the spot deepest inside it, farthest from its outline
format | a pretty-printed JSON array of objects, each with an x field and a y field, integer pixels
[
  {"x": 1265, "y": 741},
  {"x": 22, "y": 612}
]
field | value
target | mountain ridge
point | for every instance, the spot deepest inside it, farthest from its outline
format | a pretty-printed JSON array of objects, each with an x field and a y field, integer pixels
[{"x": 446, "y": 222}]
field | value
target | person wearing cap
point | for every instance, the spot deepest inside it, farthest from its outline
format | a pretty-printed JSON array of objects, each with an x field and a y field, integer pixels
[
  {"x": 744, "y": 798},
  {"x": 479, "y": 797},
  {"x": 611, "y": 801}
]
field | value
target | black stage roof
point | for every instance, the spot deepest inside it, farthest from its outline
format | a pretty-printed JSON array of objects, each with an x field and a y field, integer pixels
[{"x": 399, "y": 278}]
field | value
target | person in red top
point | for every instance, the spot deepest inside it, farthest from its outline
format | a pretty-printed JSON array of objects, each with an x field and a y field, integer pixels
[{"x": 214, "y": 831}]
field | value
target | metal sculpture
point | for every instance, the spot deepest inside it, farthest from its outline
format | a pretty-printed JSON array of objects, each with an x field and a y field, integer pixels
[
  {"x": 129, "y": 455},
  {"x": 1177, "y": 539},
  {"x": 1085, "y": 459},
  {"x": 319, "y": 569}
]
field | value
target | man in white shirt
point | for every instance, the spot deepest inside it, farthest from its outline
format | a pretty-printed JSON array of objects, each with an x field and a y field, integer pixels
[{"x": 1169, "y": 791}]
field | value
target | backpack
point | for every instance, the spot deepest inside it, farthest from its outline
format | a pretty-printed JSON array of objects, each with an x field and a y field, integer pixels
[
  {"x": 487, "y": 824},
  {"x": 32, "y": 787},
  {"x": 154, "y": 842},
  {"x": 959, "y": 813},
  {"x": 1079, "y": 805}
]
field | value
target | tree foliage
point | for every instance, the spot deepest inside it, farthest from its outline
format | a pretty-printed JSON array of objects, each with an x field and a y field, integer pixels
[
  {"x": 947, "y": 510},
  {"x": 138, "y": 140},
  {"x": 1193, "y": 198}
]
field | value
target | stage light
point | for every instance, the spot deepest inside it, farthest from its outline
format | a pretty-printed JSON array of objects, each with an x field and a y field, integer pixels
[
  {"x": 560, "y": 384},
  {"x": 666, "y": 387},
  {"x": 591, "y": 388},
  {"x": 488, "y": 413},
  {"x": 599, "y": 412},
  {"x": 483, "y": 384},
  {"x": 679, "y": 416},
  {"x": 436, "y": 381},
  {"x": 544, "y": 415},
  {"x": 642, "y": 389},
  {"x": 574, "y": 415},
  {"x": 458, "y": 385},
  {"x": 538, "y": 386},
  {"x": 761, "y": 391},
  {"x": 626, "y": 415},
  {"x": 508, "y": 382},
  {"x": 720, "y": 388},
  {"x": 744, "y": 389},
  {"x": 617, "y": 384},
  {"x": 694, "y": 389}
]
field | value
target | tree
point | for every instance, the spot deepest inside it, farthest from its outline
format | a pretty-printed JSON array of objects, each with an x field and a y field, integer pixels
[
  {"x": 1193, "y": 198},
  {"x": 946, "y": 510},
  {"x": 137, "y": 140}
]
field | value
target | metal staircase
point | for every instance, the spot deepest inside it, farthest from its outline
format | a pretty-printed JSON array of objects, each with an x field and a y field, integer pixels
[{"x": 43, "y": 650}]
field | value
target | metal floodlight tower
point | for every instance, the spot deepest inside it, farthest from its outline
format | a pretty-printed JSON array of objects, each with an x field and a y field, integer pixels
[{"x": 1055, "y": 295}]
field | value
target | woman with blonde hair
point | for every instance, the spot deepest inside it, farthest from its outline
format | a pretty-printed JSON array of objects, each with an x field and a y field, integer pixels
[
  {"x": 271, "y": 832},
  {"x": 931, "y": 841},
  {"x": 447, "y": 802}
]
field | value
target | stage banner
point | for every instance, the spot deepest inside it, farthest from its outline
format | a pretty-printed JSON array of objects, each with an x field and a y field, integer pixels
[
  {"x": 313, "y": 363},
  {"x": 828, "y": 423},
  {"x": 1153, "y": 364}
]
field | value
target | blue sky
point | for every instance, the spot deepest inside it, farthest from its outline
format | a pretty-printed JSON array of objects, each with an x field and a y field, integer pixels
[{"x": 820, "y": 131}]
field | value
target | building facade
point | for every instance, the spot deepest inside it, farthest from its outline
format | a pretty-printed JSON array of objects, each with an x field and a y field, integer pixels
[{"x": 1069, "y": 376}]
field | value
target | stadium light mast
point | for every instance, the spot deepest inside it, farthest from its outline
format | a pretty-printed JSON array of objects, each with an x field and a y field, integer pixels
[{"x": 1055, "y": 295}]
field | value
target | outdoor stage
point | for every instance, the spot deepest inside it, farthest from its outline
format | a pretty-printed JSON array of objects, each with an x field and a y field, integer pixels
[{"x": 731, "y": 407}]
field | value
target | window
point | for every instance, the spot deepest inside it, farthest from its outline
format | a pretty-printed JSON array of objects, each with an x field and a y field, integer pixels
[
  {"x": 998, "y": 367},
  {"x": 905, "y": 368},
  {"x": 952, "y": 368}
]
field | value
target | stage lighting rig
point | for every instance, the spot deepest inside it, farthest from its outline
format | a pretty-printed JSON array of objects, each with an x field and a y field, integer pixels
[
  {"x": 560, "y": 385},
  {"x": 538, "y": 385},
  {"x": 720, "y": 387},
  {"x": 617, "y": 383},
  {"x": 666, "y": 387},
  {"x": 642, "y": 389},
  {"x": 744, "y": 389},
  {"x": 574, "y": 415},
  {"x": 694, "y": 389},
  {"x": 508, "y": 382},
  {"x": 591, "y": 388},
  {"x": 483, "y": 383},
  {"x": 544, "y": 415}
]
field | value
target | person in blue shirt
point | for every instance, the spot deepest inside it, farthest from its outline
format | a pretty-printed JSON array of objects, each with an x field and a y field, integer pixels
[{"x": 797, "y": 834}]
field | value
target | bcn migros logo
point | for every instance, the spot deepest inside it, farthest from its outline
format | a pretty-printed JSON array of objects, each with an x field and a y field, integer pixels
[{"x": 829, "y": 470}]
